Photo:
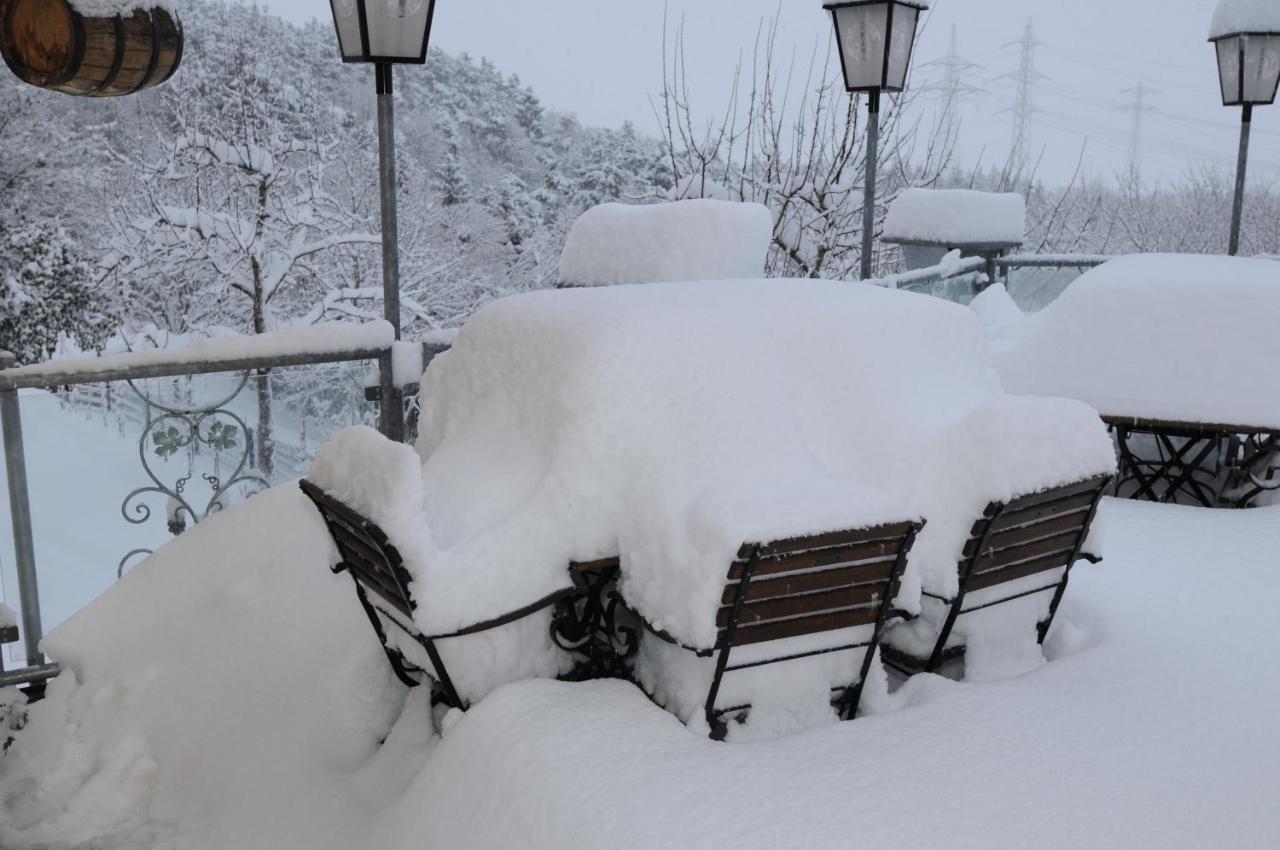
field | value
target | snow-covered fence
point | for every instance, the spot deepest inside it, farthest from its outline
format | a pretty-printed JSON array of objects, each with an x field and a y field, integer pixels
[{"x": 172, "y": 428}]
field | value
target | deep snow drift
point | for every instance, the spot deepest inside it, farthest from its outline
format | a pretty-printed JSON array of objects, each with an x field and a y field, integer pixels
[{"x": 231, "y": 697}]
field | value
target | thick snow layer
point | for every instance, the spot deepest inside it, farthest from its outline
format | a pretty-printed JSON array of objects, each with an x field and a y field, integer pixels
[
  {"x": 8, "y": 617},
  {"x": 1169, "y": 337},
  {"x": 686, "y": 240},
  {"x": 229, "y": 695},
  {"x": 668, "y": 424},
  {"x": 324, "y": 338},
  {"x": 227, "y": 685},
  {"x": 1236, "y": 16},
  {"x": 956, "y": 217},
  {"x": 110, "y": 8}
]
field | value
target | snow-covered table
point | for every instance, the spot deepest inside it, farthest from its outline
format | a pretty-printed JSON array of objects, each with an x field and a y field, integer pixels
[{"x": 1178, "y": 354}]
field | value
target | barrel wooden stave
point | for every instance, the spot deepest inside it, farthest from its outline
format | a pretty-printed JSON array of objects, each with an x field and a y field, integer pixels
[{"x": 48, "y": 44}]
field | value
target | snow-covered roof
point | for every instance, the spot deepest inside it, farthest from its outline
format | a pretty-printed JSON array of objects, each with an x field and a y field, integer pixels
[
  {"x": 956, "y": 218},
  {"x": 1237, "y": 16},
  {"x": 682, "y": 241},
  {"x": 1164, "y": 337}
]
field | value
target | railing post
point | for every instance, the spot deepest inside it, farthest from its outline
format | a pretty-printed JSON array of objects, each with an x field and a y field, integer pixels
[{"x": 20, "y": 508}]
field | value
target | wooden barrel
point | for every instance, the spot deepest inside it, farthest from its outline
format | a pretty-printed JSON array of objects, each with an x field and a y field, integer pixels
[{"x": 47, "y": 43}]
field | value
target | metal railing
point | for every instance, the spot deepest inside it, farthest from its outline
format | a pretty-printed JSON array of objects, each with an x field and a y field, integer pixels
[{"x": 170, "y": 427}]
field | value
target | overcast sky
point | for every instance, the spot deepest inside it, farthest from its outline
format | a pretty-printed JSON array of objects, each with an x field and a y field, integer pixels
[{"x": 602, "y": 60}]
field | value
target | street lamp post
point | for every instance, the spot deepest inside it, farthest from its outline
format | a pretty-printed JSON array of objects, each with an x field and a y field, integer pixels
[
  {"x": 1249, "y": 72},
  {"x": 386, "y": 33},
  {"x": 876, "y": 39}
]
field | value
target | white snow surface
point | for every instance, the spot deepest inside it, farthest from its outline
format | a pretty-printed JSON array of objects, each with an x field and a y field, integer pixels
[
  {"x": 111, "y": 8},
  {"x": 228, "y": 695},
  {"x": 1236, "y": 16},
  {"x": 688, "y": 240},
  {"x": 8, "y": 617},
  {"x": 1167, "y": 337},
  {"x": 668, "y": 424},
  {"x": 956, "y": 217},
  {"x": 323, "y": 338},
  {"x": 1001, "y": 317}
]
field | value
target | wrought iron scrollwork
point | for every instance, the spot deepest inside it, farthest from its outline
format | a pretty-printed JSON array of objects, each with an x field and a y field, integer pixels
[
  {"x": 596, "y": 626},
  {"x": 1204, "y": 468},
  {"x": 173, "y": 429}
]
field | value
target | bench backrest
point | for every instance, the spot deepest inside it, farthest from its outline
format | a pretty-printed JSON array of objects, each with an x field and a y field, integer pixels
[
  {"x": 1030, "y": 535},
  {"x": 365, "y": 551},
  {"x": 807, "y": 585}
]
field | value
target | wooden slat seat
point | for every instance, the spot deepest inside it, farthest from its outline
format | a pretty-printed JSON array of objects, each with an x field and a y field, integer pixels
[
  {"x": 382, "y": 586},
  {"x": 807, "y": 586},
  {"x": 1025, "y": 537}
]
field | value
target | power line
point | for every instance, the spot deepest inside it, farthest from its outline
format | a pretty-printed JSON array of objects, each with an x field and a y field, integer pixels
[{"x": 955, "y": 67}]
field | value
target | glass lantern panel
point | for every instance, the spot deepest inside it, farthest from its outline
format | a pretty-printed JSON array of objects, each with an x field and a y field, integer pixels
[
  {"x": 347, "y": 18},
  {"x": 1261, "y": 68},
  {"x": 862, "y": 31},
  {"x": 397, "y": 28},
  {"x": 902, "y": 37},
  {"x": 1229, "y": 69}
]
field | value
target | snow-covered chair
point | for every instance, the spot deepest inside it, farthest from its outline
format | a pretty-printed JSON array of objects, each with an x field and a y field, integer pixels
[
  {"x": 800, "y": 598},
  {"x": 382, "y": 583},
  {"x": 1016, "y": 549}
]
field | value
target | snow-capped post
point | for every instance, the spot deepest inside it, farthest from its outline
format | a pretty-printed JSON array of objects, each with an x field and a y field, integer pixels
[
  {"x": 1246, "y": 36},
  {"x": 875, "y": 39},
  {"x": 386, "y": 33},
  {"x": 24, "y": 552}
]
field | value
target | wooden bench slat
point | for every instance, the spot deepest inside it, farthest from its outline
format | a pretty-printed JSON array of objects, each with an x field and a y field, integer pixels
[
  {"x": 1017, "y": 519},
  {"x": 872, "y": 550},
  {"x": 878, "y": 572},
  {"x": 826, "y": 540},
  {"x": 376, "y": 584},
  {"x": 1008, "y": 574},
  {"x": 1054, "y": 494},
  {"x": 777, "y": 630},
  {"x": 794, "y": 606},
  {"x": 1029, "y": 533},
  {"x": 1061, "y": 543}
]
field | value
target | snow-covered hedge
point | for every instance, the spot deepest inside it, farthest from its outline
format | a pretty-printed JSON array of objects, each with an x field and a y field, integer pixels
[{"x": 686, "y": 240}]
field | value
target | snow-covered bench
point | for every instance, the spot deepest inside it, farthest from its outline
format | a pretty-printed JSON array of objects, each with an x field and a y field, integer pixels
[
  {"x": 382, "y": 586},
  {"x": 823, "y": 590},
  {"x": 1016, "y": 549}
]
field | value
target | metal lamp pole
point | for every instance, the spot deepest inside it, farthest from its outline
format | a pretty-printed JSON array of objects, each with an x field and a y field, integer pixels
[
  {"x": 869, "y": 201},
  {"x": 391, "y": 416},
  {"x": 1242, "y": 164}
]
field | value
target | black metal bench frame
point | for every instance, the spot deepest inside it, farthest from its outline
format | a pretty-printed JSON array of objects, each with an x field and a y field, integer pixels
[
  {"x": 1013, "y": 540},
  {"x": 1211, "y": 465},
  {"x": 376, "y": 567},
  {"x": 805, "y": 586}
]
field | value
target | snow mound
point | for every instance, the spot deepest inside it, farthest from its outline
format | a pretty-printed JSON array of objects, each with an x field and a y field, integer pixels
[
  {"x": 1237, "y": 16},
  {"x": 667, "y": 424},
  {"x": 1001, "y": 317},
  {"x": 230, "y": 654},
  {"x": 956, "y": 217},
  {"x": 683, "y": 241},
  {"x": 1167, "y": 337}
]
